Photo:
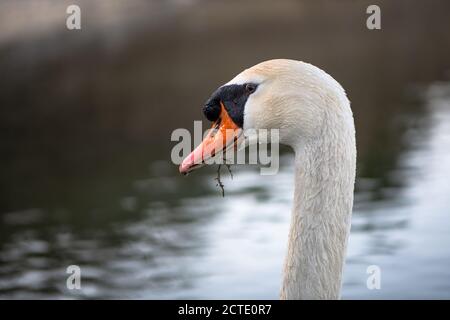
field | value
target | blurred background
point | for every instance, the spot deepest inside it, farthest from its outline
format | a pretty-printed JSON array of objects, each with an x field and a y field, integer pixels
[{"x": 85, "y": 171}]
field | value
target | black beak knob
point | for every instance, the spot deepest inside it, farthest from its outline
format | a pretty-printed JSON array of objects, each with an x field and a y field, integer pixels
[{"x": 211, "y": 110}]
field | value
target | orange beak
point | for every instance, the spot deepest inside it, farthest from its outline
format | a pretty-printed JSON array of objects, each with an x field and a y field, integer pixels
[{"x": 223, "y": 134}]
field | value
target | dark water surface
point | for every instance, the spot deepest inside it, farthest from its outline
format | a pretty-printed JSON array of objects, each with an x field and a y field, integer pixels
[
  {"x": 165, "y": 236},
  {"x": 86, "y": 177}
]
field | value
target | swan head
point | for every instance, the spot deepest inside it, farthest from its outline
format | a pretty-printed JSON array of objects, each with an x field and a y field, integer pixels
[{"x": 292, "y": 96}]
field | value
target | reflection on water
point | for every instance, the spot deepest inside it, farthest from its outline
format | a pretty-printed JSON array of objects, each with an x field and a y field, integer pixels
[
  {"x": 407, "y": 235},
  {"x": 166, "y": 236}
]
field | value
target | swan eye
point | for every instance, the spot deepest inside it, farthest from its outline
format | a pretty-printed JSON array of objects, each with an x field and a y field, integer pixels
[{"x": 250, "y": 88}]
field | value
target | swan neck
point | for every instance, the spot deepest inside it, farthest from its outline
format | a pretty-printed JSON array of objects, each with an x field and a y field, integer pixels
[{"x": 320, "y": 222}]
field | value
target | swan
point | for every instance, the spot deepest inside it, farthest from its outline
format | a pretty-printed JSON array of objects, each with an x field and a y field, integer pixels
[{"x": 313, "y": 115}]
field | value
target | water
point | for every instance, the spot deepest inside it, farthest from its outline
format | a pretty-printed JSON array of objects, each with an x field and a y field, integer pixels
[
  {"x": 162, "y": 235},
  {"x": 407, "y": 235}
]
